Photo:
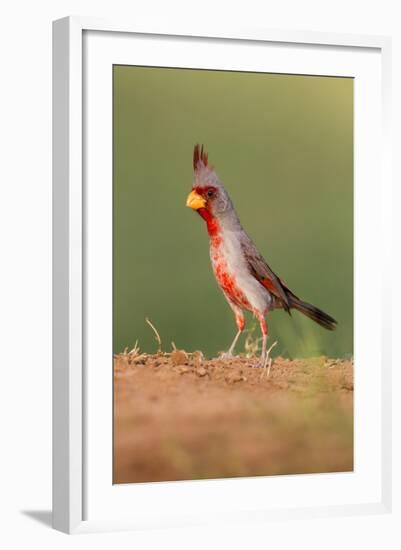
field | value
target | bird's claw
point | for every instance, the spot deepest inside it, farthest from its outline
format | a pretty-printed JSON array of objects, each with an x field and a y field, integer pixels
[
  {"x": 263, "y": 363},
  {"x": 266, "y": 361}
]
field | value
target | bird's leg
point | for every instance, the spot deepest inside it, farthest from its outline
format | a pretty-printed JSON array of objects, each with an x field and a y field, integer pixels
[
  {"x": 240, "y": 322},
  {"x": 264, "y": 358},
  {"x": 232, "y": 347},
  {"x": 264, "y": 330}
]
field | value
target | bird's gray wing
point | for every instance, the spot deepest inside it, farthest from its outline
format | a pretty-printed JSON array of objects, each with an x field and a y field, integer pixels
[{"x": 259, "y": 268}]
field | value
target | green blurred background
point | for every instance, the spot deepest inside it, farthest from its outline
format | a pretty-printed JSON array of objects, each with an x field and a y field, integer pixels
[{"x": 283, "y": 146}]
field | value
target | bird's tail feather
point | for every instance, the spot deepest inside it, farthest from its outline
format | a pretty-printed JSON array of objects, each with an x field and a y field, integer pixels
[{"x": 314, "y": 313}]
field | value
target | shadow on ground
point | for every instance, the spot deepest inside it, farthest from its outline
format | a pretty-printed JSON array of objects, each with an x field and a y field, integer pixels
[{"x": 41, "y": 516}]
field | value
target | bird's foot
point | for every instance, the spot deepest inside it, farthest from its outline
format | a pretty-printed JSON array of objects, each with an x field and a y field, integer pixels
[
  {"x": 262, "y": 363},
  {"x": 266, "y": 361}
]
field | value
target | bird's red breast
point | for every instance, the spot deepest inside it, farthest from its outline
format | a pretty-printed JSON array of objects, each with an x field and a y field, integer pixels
[
  {"x": 226, "y": 280},
  {"x": 228, "y": 284}
]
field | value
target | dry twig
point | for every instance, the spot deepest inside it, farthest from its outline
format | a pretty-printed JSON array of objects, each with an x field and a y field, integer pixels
[{"x": 157, "y": 335}]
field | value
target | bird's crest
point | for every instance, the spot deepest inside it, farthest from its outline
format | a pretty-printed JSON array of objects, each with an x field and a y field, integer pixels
[
  {"x": 200, "y": 159},
  {"x": 204, "y": 173}
]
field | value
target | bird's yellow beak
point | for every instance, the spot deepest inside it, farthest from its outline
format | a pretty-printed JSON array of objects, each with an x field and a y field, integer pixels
[{"x": 195, "y": 201}]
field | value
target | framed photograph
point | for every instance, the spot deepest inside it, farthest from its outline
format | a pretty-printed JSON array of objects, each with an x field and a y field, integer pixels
[{"x": 219, "y": 324}]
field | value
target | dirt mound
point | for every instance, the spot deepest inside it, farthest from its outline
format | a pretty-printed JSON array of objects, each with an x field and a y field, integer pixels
[{"x": 179, "y": 416}]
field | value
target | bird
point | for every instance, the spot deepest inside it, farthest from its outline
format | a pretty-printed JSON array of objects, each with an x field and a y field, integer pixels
[{"x": 247, "y": 281}]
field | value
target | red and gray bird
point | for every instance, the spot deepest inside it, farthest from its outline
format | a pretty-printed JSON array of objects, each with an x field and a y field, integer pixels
[{"x": 245, "y": 278}]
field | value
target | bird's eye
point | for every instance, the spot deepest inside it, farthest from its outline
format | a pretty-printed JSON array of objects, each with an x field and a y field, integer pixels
[{"x": 210, "y": 193}]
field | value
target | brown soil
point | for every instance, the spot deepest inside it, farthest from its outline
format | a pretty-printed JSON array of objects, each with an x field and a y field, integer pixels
[{"x": 179, "y": 416}]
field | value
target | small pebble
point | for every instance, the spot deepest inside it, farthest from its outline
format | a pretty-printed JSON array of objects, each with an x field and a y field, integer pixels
[
  {"x": 179, "y": 357},
  {"x": 183, "y": 370}
]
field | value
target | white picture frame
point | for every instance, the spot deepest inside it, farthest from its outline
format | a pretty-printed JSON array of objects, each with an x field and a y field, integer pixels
[{"x": 75, "y": 478}]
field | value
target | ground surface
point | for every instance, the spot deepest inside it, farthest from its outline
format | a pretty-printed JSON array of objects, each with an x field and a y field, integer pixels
[{"x": 179, "y": 416}]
